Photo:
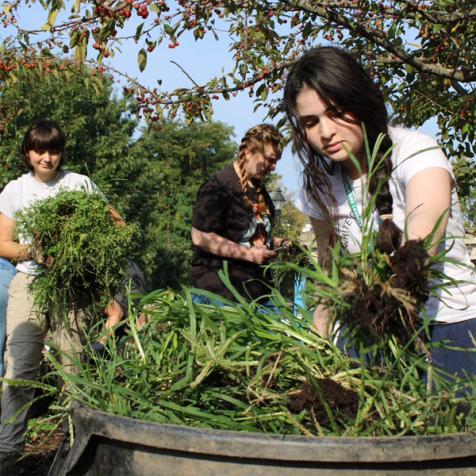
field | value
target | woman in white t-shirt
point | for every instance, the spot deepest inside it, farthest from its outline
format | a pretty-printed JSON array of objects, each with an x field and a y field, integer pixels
[
  {"x": 329, "y": 97},
  {"x": 43, "y": 153}
]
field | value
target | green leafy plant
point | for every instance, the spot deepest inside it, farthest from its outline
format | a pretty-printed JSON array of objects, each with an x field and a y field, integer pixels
[{"x": 85, "y": 251}]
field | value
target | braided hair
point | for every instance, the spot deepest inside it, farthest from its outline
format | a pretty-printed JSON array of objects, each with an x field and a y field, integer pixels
[
  {"x": 342, "y": 82},
  {"x": 254, "y": 141}
]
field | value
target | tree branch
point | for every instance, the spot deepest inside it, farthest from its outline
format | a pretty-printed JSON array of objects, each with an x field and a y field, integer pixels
[{"x": 377, "y": 38}]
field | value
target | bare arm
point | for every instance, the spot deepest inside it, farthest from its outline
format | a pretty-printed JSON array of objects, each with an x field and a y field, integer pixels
[
  {"x": 321, "y": 315},
  {"x": 116, "y": 217},
  {"x": 220, "y": 246},
  {"x": 427, "y": 199},
  {"x": 114, "y": 313},
  {"x": 9, "y": 248}
]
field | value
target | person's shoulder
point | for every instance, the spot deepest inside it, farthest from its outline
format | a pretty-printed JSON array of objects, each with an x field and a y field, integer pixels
[
  {"x": 74, "y": 179},
  {"x": 224, "y": 178},
  {"x": 414, "y": 151},
  {"x": 409, "y": 143},
  {"x": 226, "y": 174},
  {"x": 15, "y": 184},
  {"x": 74, "y": 176},
  {"x": 404, "y": 138}
]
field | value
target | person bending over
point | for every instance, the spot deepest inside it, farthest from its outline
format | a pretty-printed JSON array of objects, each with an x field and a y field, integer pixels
[{"x": 233, "y": 218}]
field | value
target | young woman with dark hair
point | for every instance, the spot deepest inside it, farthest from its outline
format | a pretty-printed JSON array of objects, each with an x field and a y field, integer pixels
[
  {"x": 331, "y": 103},
  {"x": 232, "y": 219},
  {"x": 43, "y": 153}
]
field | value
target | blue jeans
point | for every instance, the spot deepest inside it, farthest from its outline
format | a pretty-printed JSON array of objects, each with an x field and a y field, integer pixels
[
  {"x": 199, "y": 299},
  {"x": 7, "y": 271},
  {"x": 460, "y": 363},
  {"x": 452, "y": 348}
]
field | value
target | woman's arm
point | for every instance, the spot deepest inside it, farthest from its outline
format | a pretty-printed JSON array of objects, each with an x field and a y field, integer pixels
[
  {"x": 427, "y": 199},
  {"x": 116, "y": 217},
  {"x": 9, "y": 248},
  {"x": 321, "y": 316},
  {"x": 220, "y": 246}
]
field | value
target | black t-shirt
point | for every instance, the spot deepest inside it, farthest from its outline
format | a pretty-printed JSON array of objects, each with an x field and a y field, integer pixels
[{"x": 221, "y": 208}]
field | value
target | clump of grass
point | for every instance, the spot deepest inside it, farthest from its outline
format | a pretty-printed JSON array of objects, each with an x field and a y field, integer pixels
[
  {"x": 85, "y": 252},
  {"x": 381, "y": 296}
]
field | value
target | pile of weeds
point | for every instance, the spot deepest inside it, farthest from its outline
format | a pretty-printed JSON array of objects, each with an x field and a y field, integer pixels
[
  {"x": 83, "y": 251},
  {"x": 243, "y": 367}
]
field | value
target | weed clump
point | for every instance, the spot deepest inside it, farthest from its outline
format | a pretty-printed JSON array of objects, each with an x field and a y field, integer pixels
[
  {"x": 385, "y": 298},
  {"x": 83, "y": 251}
]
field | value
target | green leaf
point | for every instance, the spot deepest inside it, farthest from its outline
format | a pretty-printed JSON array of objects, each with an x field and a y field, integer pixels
[
  {"x": 142, "y": 59},
  {"x": 74, "y": 38},
  {"x": 52, "y": 18},
  {"x": 80, "y": 53},
  {"x": 169, "y": 30},
  {"x": 199, "y": 33},
  {"x": 139, "y": 31},
  {"x": 77, "y": 5}
]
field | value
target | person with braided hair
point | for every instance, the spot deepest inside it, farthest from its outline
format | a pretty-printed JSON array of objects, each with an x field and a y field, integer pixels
[
  {"x": 232, "y": 220},
  {"x": 332, "y": 104}
]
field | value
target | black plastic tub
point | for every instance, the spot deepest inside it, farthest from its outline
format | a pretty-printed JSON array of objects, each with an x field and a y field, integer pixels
[{"x": 106, "y": 445}]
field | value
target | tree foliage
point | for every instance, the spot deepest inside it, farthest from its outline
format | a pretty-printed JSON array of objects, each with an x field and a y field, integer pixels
[
  {"x": 97, "y": 125},
  {"x": 172, "y": 162},
  {"x": 292, "y": 221},
  {"x": 420, "y": 51}
]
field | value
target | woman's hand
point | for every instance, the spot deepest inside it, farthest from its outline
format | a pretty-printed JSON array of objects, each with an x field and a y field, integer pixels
[
  {"x": 282, "y": 244},
  {"x": 259, "y": 254}
]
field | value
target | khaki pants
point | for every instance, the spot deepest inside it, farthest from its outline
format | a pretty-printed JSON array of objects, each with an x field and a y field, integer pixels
[{"x": 26, "y": 332}]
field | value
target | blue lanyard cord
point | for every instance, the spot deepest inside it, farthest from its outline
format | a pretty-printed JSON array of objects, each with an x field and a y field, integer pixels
[{"x": 351, "y": 199}]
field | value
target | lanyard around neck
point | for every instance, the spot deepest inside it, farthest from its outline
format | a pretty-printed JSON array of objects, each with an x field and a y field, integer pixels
[{"x": 349, "y": 191}]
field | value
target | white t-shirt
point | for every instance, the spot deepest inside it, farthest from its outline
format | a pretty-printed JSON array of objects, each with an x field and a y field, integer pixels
[
  {"x": 412, "y": 153},
  {"x": 26, "y": 190}
]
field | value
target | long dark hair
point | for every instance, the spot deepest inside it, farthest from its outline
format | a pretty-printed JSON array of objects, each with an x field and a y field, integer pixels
[{"x": 342, "y": 82}]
